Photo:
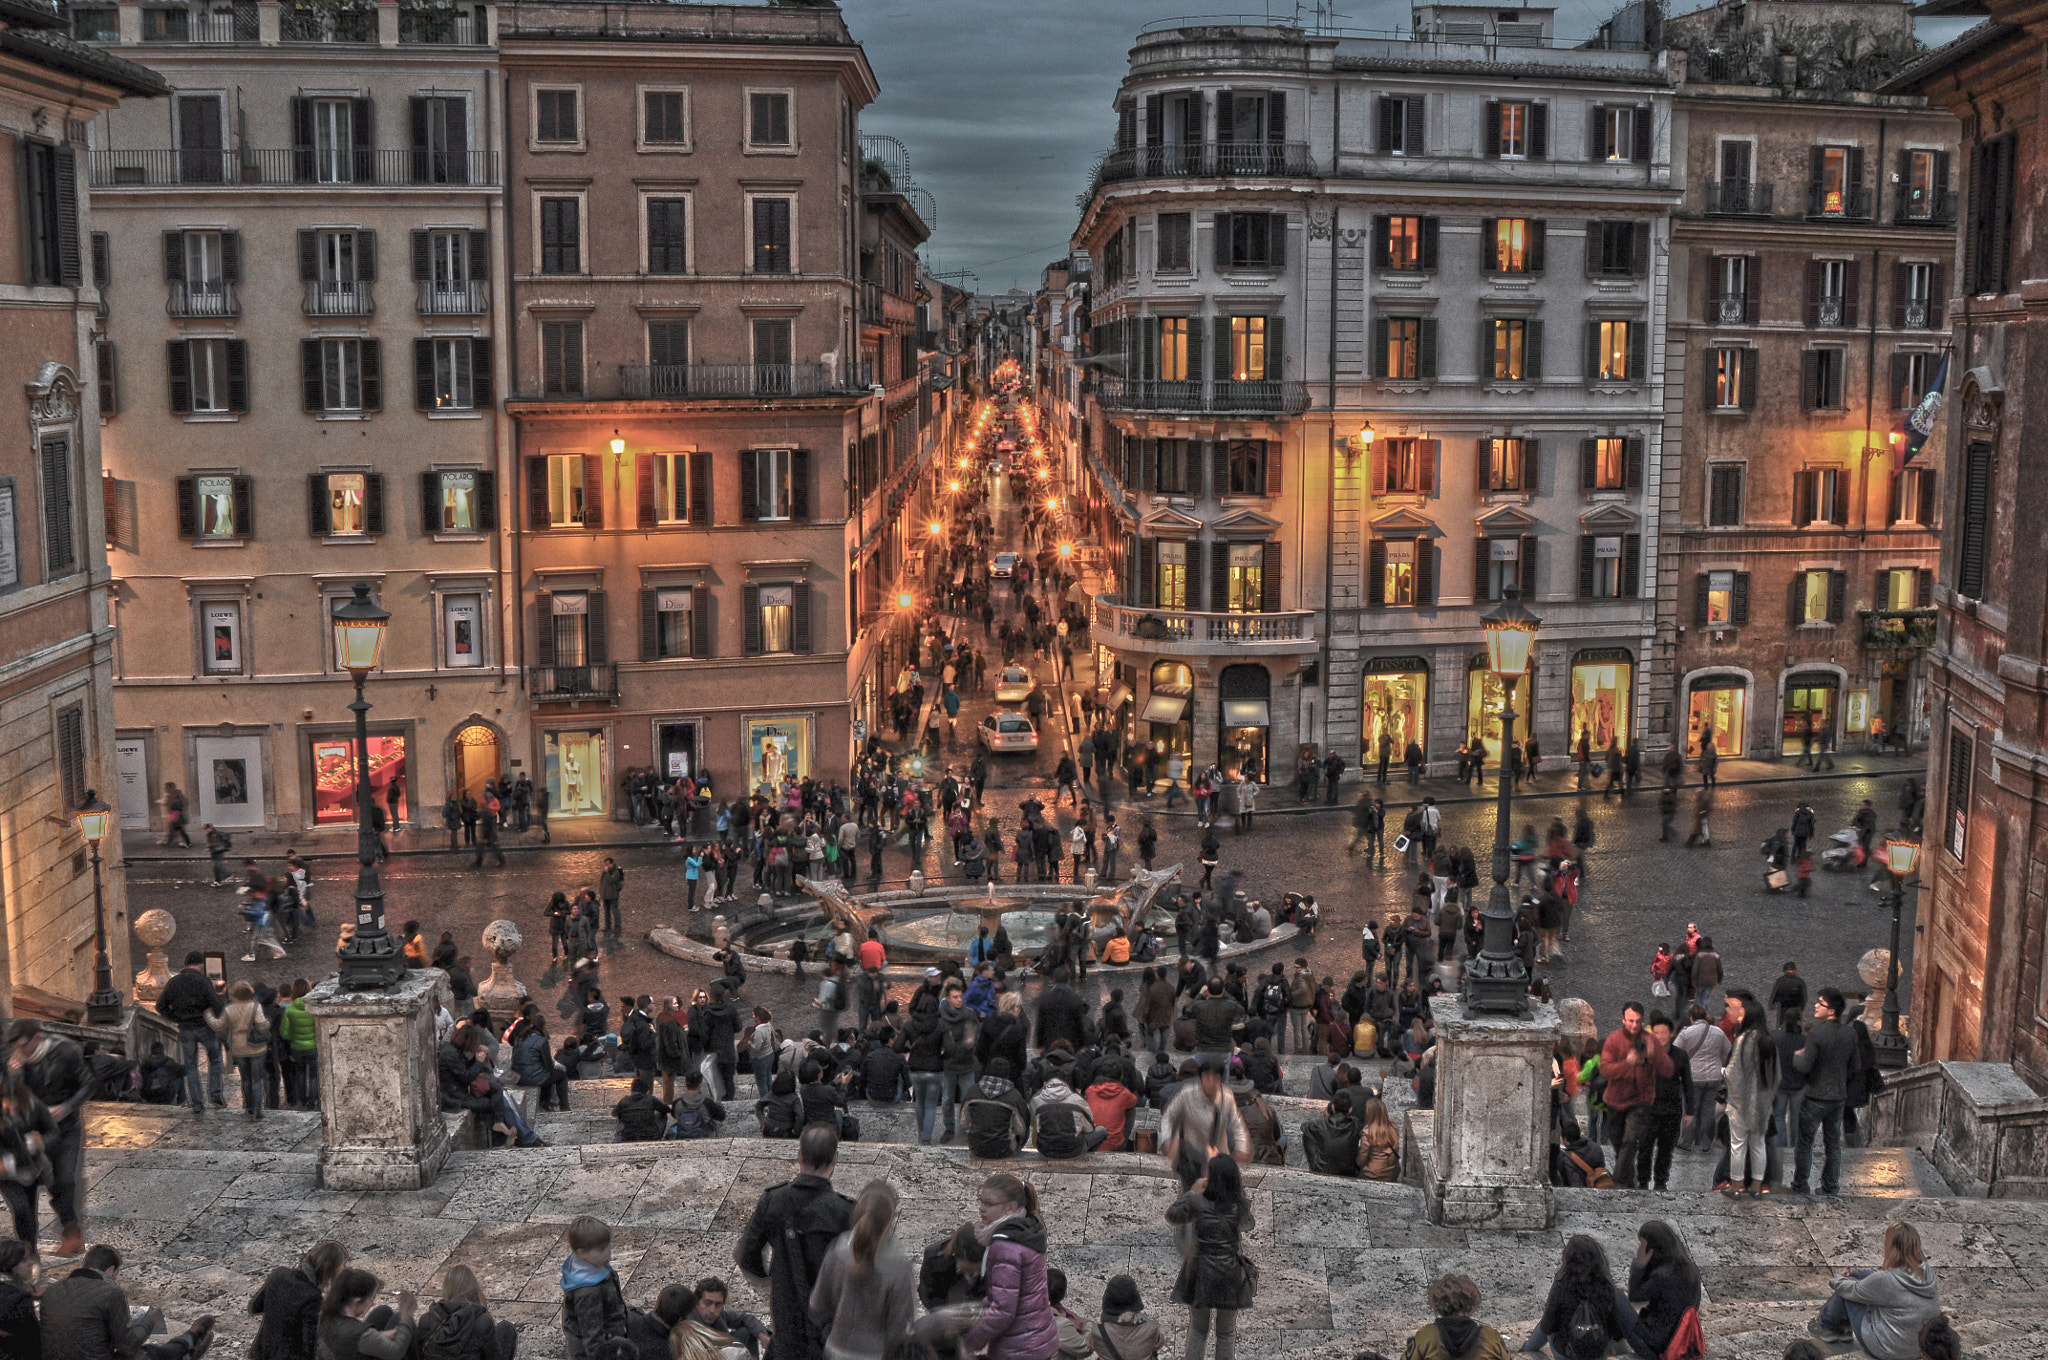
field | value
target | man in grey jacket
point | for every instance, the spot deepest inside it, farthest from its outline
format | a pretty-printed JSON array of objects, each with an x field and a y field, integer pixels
[
  {"x": 1707, "y": 1047},
  {"x": 1828, "y": 1059}
]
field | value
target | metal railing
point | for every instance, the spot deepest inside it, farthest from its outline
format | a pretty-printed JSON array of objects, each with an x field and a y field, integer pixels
[
  {"x": 1274, "y": 396},
  {"x": 445, "y": 27},
  {"x": 1731, "y": 309},
  {"x": 327, "y": 298},
  {"x": 572, "y": 684},
  {"x": 469, "y": 297},
  {"x": 1738, "y": 198},
  {"x": 328, "y": 25},
  {"x": 203, "y": 299},
  {"x": 294, "y": 165},
  {"x": 1936, "y": 208},
  {"x": 658, "y": 381},
  {"x": 1830, "y": 311},
  {"x": 1895, "y": 630},
  {"x": 1206, "y": 160},
  {"x": 1917, "y": 314},
  {"x": 223, "y": 23},
  {"x": 1157, "y": 624},
  {"x": 1850, "y": 204}
]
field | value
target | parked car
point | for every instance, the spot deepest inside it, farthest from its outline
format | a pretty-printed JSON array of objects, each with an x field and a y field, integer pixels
[
  {"x": 1014, "y": 685},
  {"x": 1003, "y": 732},
  {"x": 1003, "y": 564}
]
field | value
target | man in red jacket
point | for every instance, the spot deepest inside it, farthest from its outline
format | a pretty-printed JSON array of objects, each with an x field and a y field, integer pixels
[{"x": 1631, "y": 1060}]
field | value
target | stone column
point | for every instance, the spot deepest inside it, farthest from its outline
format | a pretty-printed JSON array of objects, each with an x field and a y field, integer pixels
[
  {"x": 381, "y": 1126},
  {"x": 1490, "y": 1162}
]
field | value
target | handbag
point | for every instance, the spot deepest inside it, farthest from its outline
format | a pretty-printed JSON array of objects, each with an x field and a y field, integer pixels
[
  {"x": 1688, "y": 1342},
  {"x": 1660, "y": 987}
]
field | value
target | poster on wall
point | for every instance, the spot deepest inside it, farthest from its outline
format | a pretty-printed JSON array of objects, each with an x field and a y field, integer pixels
[
  {"x": 223, "y": 638},
  {"x": 1857, "y": 711},
  {"x": 10, "y": 557},
  {"x": 465, "y": 630}
]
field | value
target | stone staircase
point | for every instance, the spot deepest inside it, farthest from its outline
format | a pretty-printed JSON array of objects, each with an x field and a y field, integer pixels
[{"x": 206, "y": 1206}]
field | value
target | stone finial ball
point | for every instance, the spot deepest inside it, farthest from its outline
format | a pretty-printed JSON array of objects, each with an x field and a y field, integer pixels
[
  {"x": 1871, "y": 967},
  {"x": 156, "y": 927},
  {"x": 502, "y": 938}
]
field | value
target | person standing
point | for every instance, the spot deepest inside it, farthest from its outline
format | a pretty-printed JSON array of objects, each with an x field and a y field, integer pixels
[
  {"x": 609, "y": 885},
  {"x": 1018, "y": 1323},
  {"x": 1702, "y": 811},
  {"x": 487, "y": 842},
  {"x": 218, "y": 843},
  {"x": 1788, "y": 995},
  {"x": 865, "y": 1297},
  {"x": 1667, "y": 811},
  {"x": 174, "y": 816},
  {"x": 1710, "y": 762},
  {"x": 188, "y": 1001},
  {"x": 1386, "y": 754},
  {"x": 796, "y": 1224},
  {"x": 1214, "y": 1282},
  {"x": 53, "y": 1068},
  {"x": 1632, "y": 1059},
  {"x": 1429, "y": 822},
  {"x": 1752, "y": 1079},
  {"x": 540, "y": 812},
  {"x": 1707, "y": 1048},
  {"x": 1828, "y": 1060},
  {"x": 247, "y": 1035}
]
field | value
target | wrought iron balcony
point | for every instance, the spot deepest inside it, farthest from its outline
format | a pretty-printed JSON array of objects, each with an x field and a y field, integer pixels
[
  {"x": 1898, "y": 630},
  {"x": 327, "y": 298},
  {"x": 1207, "y": 160},
  {"x": 340, "y": 167},
  {"x": 1926, "y": 208},
  {"x": 1850, "y": 203},
  {"x": 307, "y": 24},
  {"x": 573, "y": 684},
  {"x": 233, "y": 22},
  {"x": 216, "y": 298},
  {"x": 762, "y": 381},
  {"x": 459, "y": 297},
  {"x": 1261, "y": 396},
  {"x": 444, "y": 26},
  {"x": 1738, "y": 198}
]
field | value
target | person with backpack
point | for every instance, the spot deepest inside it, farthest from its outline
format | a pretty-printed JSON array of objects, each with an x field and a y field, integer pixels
[
  {"x": 697, "y": 1112},
  {"x": 460, "y": 1325},
  {"x": 996, "y": 1115},
  {"x": 1578, "y": 1161},
  {"x": 1585, "y": 1315},
  {"x": 1217, "y": 1280},
  {"x": 671, "y": 1044},
  {"x": 1664, "y": 1280},
  {"x": 780, "y": 1114},
  {"x": 642, "y": 1116},
  {"x": 1330, "y": 1145},
  {"x": 795, "y": 1224},
  {"x": 1066, "y": 1123}
]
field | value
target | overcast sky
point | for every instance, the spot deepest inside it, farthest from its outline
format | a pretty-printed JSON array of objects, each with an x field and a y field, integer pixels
[{"x": 1006, "y": 104}]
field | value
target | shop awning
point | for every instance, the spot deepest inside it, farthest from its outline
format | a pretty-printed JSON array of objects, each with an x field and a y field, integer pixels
[
  {"x": 1246, "y": 713},
  {"x": 1164, "y": 708},
  {"x": 1118, "y": 697}
]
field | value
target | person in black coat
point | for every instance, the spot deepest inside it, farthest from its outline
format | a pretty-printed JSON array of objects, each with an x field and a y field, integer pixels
[
  {"x": 1583, "y": 1279},
  {"x": 1062, "y": 1014},
  {"x": 289, "y": 1304},
  {"x": 1213, "y": 1282},
  {"x": 21, "y": 1334},
  {"x": 1665, "y": 1282},
  {"x": 1002, "y": 1035}
]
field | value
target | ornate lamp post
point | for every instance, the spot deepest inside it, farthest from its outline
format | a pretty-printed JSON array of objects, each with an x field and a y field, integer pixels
[
  {"x": 370, "y": 962},
  {"x": 1901, "y": 857},
  {"x": 1496, "y": 982},
  {"x": 103, "y": 1007}
]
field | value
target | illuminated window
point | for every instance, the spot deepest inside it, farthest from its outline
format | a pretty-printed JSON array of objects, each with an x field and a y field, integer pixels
[
  {"x": 1400, "y": 572},
  {"x": 216, "y": 497},
  {"x": 345, "y": 495},
  {"x": 1403, "y": 464},
  {"x": 1512, "y": 237},
  {"x": 1720, "y": 597},
  {"x": 1173, "y": 575},
  {"x": 1514, "y": 130},
  {"x": 458, "y": 511},
  {"x": 1610, "y": 464},
  {"x": 1510, "y": 336},
  {"x": 1247, "y": 579},
  {"x": 1173, "y": 349},
  {"x": 565, "y": 489},
  {"x": 1504, "y": 464},
  {"x": 1404, "y": 242},
  {"x": 777, "y": 619},
  {"x": 1404, "y": 347},
  {"x": 671, "y": 488},
  {"x": 1247, "y": 348},
  {"x": 1813, "y": 596},
  {"x": 1618, "y": 134},
  {"x": 1731, "y": 379},
  {"x": 1833, "y": 188},
  {"x": 1612, "y": 351}
]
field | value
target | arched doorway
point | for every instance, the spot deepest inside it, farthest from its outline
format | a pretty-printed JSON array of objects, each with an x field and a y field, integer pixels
[{"x": 476, "y": 759}]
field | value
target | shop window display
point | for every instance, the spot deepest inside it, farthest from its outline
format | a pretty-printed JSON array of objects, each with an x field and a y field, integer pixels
[
  {"x": 575, "y": 773},
  {"x": 1716, "y": 716},
  {"x": 334, "y": 777},
  {"x": 1601, "y": 694}
]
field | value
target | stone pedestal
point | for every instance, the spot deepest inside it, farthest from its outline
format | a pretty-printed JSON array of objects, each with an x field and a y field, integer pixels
[
  {"x": 381, "y": 1126},
  {"x": 502, "y": 993},
  {"x": 1488, "y": 1164}
]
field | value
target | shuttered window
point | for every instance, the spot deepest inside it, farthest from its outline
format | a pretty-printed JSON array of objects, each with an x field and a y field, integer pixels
[
  {"x": 60, "y": 509},
  {"x": 561, "y": 358},
  {"x": 1974, "y": 531},
  {"x": 668, "y": 237},
  {"x": 1956, "y": 834},
  {"x": 49, "y": 180},
  {"x": 555, "y": 116},
  {"x": 71, "y": 755},
  {"x": 1724, "y": 495},
  {"x": 771, "y": 221},
  {"x": 561, "y": 236},
  {"x": 1993, "y": 188}
]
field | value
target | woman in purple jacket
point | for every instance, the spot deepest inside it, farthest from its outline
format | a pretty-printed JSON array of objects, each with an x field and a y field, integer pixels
[{"x": 1019, "y": 1323}]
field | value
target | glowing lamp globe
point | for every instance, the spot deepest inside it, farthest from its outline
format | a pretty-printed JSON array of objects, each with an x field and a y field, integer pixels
[
  {"x": 95, "y": 819},
  {"x": 1901, "y": 857},
  {"x": 1510, "y": 633},
  {"x": 359, "y": 633},
  {"x": 903, "y": 600}
]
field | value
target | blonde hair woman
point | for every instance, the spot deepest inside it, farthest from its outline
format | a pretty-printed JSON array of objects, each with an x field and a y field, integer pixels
[
  {"x": 866, "y": 1295},
  {"x": 1883, "y": 1310},
  {"x": 1379, "y": 1144}
]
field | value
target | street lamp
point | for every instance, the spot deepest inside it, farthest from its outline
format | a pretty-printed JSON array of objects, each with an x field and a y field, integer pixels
[
  {"x": 1901, "y": 857},
  {"x": 370, "y": 962},
  {"x": 1495, "y": 981},
  {"x": 103, "y": 1007}
]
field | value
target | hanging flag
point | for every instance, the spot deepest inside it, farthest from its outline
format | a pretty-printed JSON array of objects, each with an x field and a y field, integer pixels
[{"x": 1919, "y": 422}]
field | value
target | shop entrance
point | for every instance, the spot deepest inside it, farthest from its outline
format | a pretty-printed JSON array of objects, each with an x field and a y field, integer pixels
[
  {"x": 676, "y": 745},
  {"x": 476, "y": 759},
  {"x": 1716, "y": 708},
  {"x": 1396, "y": 705},
  {"x": 1486, "y": 697},
  {"x": 1170, "y": 729},
  {"x": 1246, "y": 720},
  {"x": 1602, "y": 695},
  {"x": 574, "y": 769},
  {"x": 1895, "y": 705},
  {"x": 1809, "y": 710}
]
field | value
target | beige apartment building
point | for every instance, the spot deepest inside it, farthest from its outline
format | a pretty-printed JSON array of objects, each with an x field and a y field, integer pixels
[
  {"x": 56, "y": 650},
  {"x": 300, "y": 252},
  {"x": 709, "y": 283}
]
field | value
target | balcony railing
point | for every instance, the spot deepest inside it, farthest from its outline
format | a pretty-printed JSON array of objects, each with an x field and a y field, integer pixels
[
  {"x": 761, "y": 381},
  {"x": 1270, "y": 396},
  {"x": 1731, "y": 309},
  {"x": 1829, "y": 311},
  {"x": 1206, "y": 160},
  {"x": 871, "y": 310},
  {"x": 1738, "y": 198},
  {"x": 1894, "y": 630},
  {"x": 307, "y": 25},
  {"x": 1199, "y": 628},
  {"x": 469, "y": 297},
  {"x": 218, "y": 23},
  {"x": 337, "y": 299},
  {"x": 447, "y": 27},
  {"x": 1917, "y": 314},
  {"x": 1929, "y": 208},
  {"x": 573, "y": 684},
  {"x": 295, "y": 165},
  {"x": 1848, "y": 204},
  {"x": 203, "y": 299}
]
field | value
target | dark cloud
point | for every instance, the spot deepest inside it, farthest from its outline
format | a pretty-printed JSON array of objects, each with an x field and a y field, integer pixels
[{"x": 1006, "y": 106}]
